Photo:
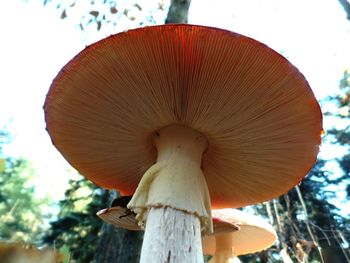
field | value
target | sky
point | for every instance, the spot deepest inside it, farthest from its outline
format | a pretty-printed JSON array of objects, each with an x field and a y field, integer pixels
[{"x": 35, "y": 44}]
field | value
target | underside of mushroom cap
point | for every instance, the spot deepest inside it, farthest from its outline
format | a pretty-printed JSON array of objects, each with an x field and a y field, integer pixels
[
  {"x": 257, "y": 112},
  {"x": 253, "y": 235},
  {"x": 120, "y": 217}
]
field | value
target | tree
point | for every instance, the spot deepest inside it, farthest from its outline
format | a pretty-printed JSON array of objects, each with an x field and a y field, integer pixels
[
  {"x": 341, "y": 135},
  {"x": 307, "y": 224},
  {"x": 21, "y": 218},
  {"x": 77, "y": 225},
  {"x": 118, "y": 245},
  {"x": 86, "y": 236}
]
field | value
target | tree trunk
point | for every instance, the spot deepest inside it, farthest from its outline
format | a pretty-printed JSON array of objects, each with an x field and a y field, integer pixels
[
  {"x": 117, "y": 244},
  {"x": 178, "y": 12},
  {"x": 334, "y": 254}
]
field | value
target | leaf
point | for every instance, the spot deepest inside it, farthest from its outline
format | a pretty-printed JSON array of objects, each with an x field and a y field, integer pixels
[
  {"x": 2, "y": 165},
  {"x": 64, "y": 14},
  {"x": 113, "y": 10},
  {"x": 64, "y": 254},
  {"x": 138, "y": 7},
  {"x": 94, "y": 13}
]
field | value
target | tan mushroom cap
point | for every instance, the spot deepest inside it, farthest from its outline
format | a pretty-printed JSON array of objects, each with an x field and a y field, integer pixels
[
  {"x": 257, "y": 111},
  {"x": 118, "y": 216},
  {"x": 254, "y": 233}
]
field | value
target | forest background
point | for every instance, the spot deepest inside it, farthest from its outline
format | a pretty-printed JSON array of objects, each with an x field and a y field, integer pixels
[{"x": 44, "y": 202}]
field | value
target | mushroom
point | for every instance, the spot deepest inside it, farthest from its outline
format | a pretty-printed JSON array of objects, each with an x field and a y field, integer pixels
[
  {"x": 184, "y": 117},
  {"x": 226, "y": 243},
  {"x": 234, "y": 232},
  {"x": 119, "y": 215}
]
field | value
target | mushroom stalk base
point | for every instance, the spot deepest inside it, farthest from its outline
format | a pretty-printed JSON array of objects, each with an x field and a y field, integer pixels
[
  {"x": 222, "y": 260},
  {"x": 224, "y": 252},
  {"x": 171, "y": 236}
]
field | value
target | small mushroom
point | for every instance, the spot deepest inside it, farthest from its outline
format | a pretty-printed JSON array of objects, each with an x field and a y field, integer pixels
[
  {"x": 226, "y": 242},
  {"x": 183, "y": 118},
  {"x": 234, "y": 232},
  {"x": 119, "y": 215}
]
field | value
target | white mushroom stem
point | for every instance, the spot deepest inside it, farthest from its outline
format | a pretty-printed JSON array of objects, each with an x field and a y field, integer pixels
[
  {"x": 183, "y": 232},
  {"x": 172, "y": 199},
  {"x": 224, "y": 252}
]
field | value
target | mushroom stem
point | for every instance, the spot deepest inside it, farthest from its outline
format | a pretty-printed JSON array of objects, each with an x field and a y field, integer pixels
[
  {"x": 224, "y": 252},
  {"x": 183, "y": 242},
  {"x": 172, "y": 198},
  {"x": 227, "y": 260}
]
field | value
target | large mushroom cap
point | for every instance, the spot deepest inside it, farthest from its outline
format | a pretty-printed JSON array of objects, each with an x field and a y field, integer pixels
[
  {"x": 254, "y": 233},
  {"x": 260, "y": 117}
]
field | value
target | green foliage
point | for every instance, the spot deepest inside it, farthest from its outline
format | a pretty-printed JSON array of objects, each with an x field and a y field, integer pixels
[
  {"x": 2, "y": 165},
  {"x": 21, "y": 218},
  {"x": 64, "y": 253},
  {"x": 77, "y": 225},
  {"x": 89, "y": 240}
]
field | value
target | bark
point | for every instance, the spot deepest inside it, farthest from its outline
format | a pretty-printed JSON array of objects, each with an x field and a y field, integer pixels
[
  {"x": 116, "y": 244},
  {"x": 346, "y": 5},
  {"x": 333, "y": 254},
  {"x": 178, "y": 11}
]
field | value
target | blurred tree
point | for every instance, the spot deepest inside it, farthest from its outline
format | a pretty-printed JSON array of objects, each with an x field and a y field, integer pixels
[
  {"x": 307, "y": 224},
  {"x": 88, "y": 239},
  {"x": 77, "y": 225},
  {"x": 341, "y": 135},
  {"x": 118, "y": 245},
  {"x": 21, "y": 218}
]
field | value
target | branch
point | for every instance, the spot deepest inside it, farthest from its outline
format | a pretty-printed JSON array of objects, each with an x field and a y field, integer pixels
[
  {"x": 178, "y": 11},
  {"x": 307, "y": 222},
  {"x": 346, "y": 5},
  {"x": 340, "y": 238}
]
